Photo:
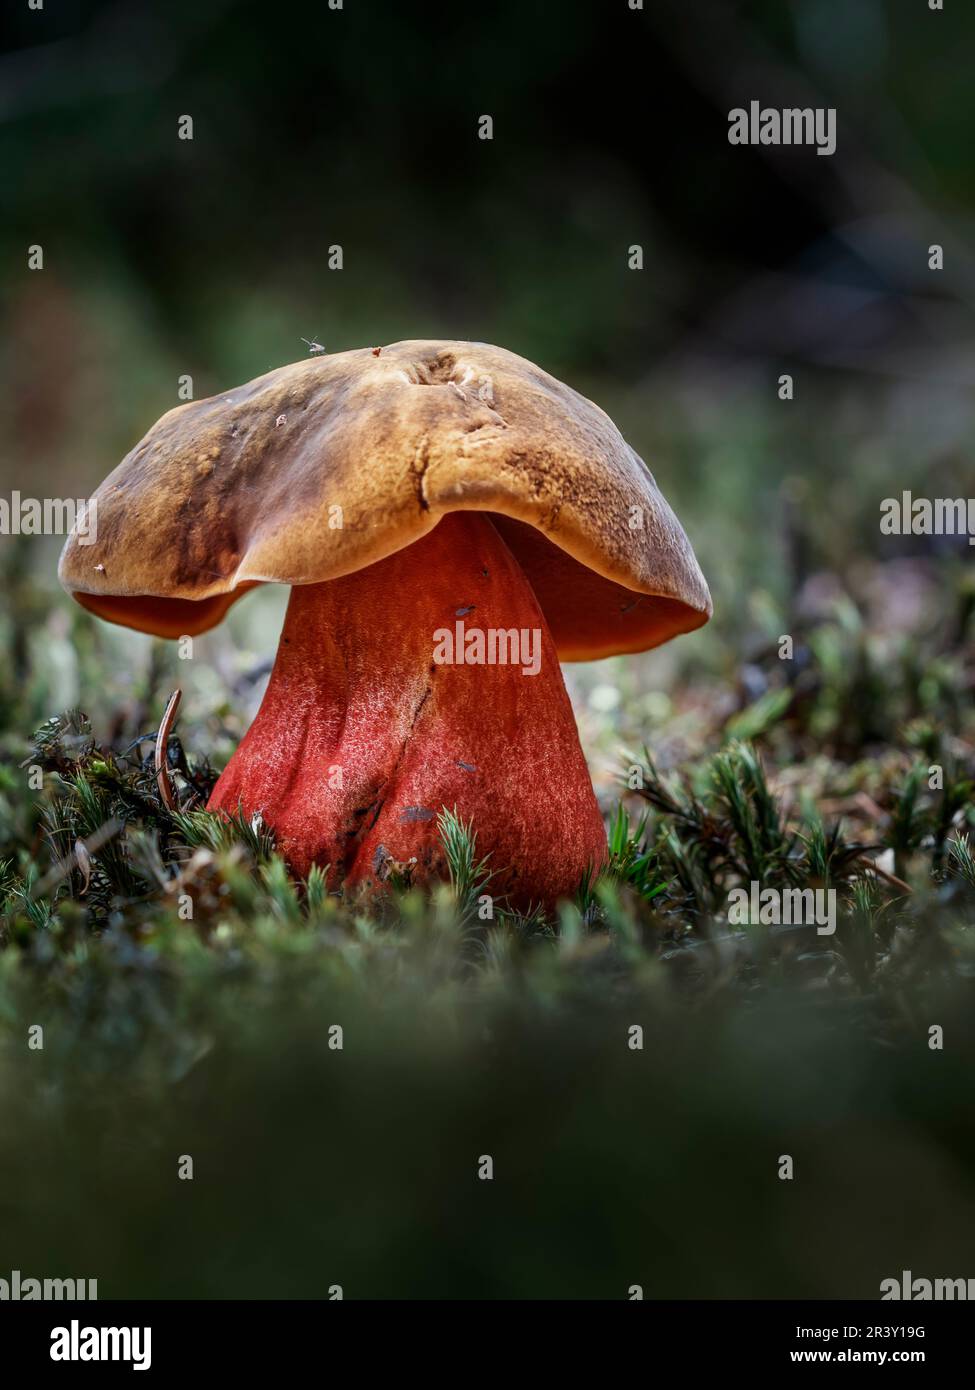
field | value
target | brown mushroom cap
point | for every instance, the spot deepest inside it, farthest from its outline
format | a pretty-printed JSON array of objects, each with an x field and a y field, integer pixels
[{"x": 243, "y": 489}]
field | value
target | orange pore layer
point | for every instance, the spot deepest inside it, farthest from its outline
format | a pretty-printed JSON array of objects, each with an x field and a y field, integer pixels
[{"x": 363, "y": 737}]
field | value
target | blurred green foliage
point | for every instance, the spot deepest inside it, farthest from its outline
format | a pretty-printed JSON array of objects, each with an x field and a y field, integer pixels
[{"x": 212, "y": 1034}]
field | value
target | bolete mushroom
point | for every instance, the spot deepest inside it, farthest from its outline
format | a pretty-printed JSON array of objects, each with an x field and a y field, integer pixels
[{"x": 452, "y": 521}]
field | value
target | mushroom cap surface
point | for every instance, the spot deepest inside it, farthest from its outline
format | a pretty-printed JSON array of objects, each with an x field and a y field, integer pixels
[{"x": 329, "y": 464}]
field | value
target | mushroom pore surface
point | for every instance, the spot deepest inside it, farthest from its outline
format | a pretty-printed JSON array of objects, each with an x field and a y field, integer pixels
[{"x": 373, "y": 722}]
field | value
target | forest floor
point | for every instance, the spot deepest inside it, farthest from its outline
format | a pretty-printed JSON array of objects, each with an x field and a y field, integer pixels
[{"x": 669, "y": 1097}]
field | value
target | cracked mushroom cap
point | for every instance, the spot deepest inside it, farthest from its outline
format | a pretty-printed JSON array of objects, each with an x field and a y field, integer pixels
[{"x": 327, "y": 465}]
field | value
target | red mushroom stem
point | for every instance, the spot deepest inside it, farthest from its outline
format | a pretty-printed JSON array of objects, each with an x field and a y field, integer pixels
[{"x": 384, "y": 707}]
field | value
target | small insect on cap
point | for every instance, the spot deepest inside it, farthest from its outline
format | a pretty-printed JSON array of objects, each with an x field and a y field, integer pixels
[{"x": 332, "y": 463}]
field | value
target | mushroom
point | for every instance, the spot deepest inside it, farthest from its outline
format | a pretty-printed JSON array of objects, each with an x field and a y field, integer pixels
[{"x": 453, "y": 521}]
